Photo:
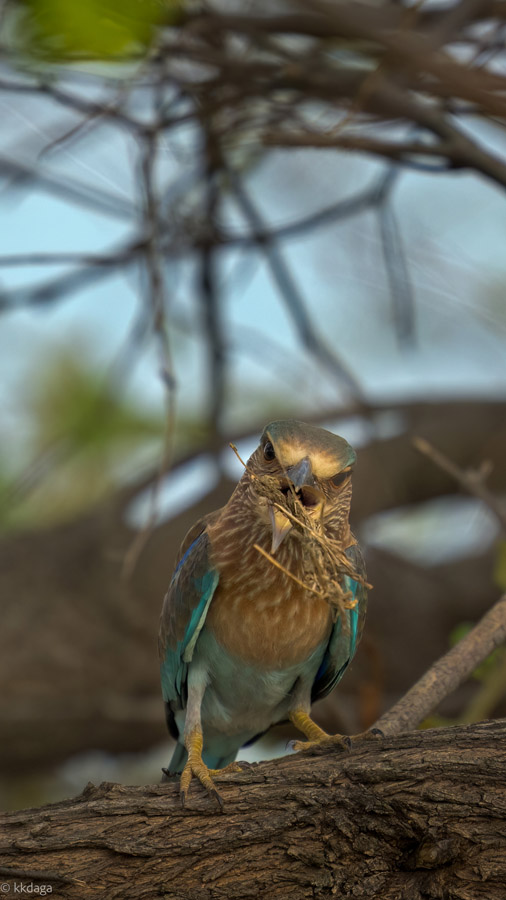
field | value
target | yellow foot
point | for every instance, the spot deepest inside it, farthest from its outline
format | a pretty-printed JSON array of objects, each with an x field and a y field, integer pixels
[
  {"x": 318, "y": 739},
  {"x": 328, "y": 742},
  {"x": 197, "y": 767}
]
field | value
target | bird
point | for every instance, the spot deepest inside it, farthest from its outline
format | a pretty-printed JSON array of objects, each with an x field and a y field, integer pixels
[{"x": 250, "y": 635}]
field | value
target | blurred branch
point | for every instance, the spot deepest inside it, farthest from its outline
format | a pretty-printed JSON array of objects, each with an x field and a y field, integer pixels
[
  {"x": 289, "y": 291},
  {"x": 58, "y": 259},
  {"x": 86, "y": 195},
  {"x": 209, "y": 293},
  {"x": 77, "y": 103},
  {"x": 153, "y": 254},
  {"x": 343, "y": 209},
  {"x": 399, "y": 83},
  {"x": 65, "y": 285},
  {"x": 458, "y": 150},
  {"x": 447, "y": 673},
  {"x": 401, "y": 289},
  {"x": 472, "y": 481}
]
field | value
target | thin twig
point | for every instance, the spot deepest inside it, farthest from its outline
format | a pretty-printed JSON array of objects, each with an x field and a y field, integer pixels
[
  {"x": 72, "y": 191},
  {"x": 157, "y": 302},
  {"x": 239, "y": 457},
  {"x": 328, "y": 561},
  {"x": 278, "y": 565},
  {"x": 401, "y": 288},
  {"x": 472, "y": 481},
  {"x": 290, "y": 292},
  {"x": 210, "y": 298}
]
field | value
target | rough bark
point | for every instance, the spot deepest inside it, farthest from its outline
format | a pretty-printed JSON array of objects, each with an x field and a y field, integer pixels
[{"x": 420, "y": 815}]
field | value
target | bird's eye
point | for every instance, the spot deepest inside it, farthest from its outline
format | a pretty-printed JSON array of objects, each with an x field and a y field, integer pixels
[
  {"x": 269, "y": 452},
  {"x": 339, "y": 479}
]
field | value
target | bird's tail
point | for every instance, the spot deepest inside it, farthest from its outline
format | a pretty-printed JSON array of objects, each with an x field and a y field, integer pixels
[
  {"x": 213, "y": 760},
  {"x": 179, "y": 759}
]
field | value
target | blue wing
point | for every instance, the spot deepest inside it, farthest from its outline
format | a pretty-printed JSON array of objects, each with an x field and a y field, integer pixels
[
  {"x": 345, "y": 635},
  {"x": 184, "y": 611}
]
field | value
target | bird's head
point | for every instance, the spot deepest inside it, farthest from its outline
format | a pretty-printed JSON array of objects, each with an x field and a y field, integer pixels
[{"x": 307, "y": 463}]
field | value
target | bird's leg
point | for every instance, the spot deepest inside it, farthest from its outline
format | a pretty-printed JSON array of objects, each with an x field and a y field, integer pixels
[
  {"x": 195, "y": 765},
  {"x": 194, "y": 742},
  {"x": 316, "y": 736}
]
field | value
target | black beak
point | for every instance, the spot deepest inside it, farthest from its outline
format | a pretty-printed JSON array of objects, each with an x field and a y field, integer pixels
[{"x": 301, "y": 473}]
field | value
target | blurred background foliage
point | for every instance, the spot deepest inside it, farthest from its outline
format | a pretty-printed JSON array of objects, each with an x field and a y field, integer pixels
[
  {"x": 85, "y": 437},
  {"x": 212, "y": 218},
  {"x": 56, "y": 31}
]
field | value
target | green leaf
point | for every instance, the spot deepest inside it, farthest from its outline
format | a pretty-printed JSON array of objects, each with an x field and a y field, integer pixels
[{"x": 92, "y": 29}]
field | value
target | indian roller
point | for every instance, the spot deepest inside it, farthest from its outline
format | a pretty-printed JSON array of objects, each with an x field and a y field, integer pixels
[{"x": 250, "y": 633}]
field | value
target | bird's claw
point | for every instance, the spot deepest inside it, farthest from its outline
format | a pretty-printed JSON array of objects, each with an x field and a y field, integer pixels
[
  {"x": 198, "y": 768},
  {"x": 239, "y": 766},
  {"x": 336, "y": 741},
  {"x": 372, "y": 734},
  {"x": 329, "y": 742}
]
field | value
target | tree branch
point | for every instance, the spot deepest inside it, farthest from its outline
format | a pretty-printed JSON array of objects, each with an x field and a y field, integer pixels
[
  {"x": 421, "y": 815},
  {"x": 471, "y": 481}
]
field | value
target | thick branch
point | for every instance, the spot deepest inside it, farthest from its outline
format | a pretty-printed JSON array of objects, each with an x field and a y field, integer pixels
[{"x": 418, "y": 815}]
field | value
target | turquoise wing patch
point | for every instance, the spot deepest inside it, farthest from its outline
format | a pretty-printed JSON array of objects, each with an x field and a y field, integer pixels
[
  {"x": 184, "y": 613},
  {"x": 343, "y": 640}
]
